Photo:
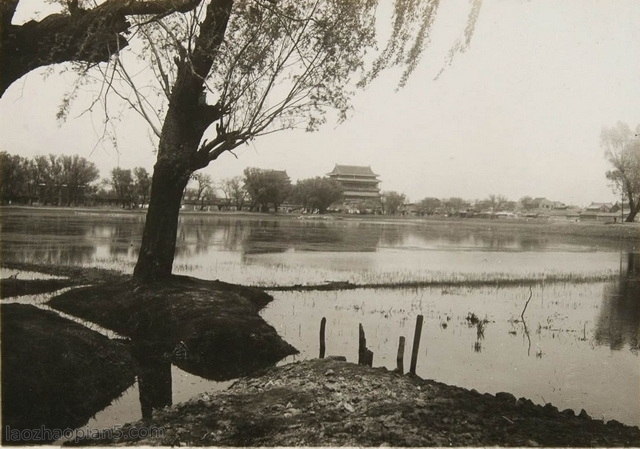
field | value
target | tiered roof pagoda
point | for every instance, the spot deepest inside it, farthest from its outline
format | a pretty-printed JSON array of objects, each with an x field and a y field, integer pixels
[{"x": 359, "y": 183}]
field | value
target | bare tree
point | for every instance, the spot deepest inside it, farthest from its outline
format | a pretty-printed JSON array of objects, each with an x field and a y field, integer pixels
[
  {"x": 392, "y": 202},
  {"x": 123, "y": 184},
  {"x": 622, "y": 149},
  {"x": 428, "y": 206},
  {"x": 142, "y": 185},
  {"x": 234, "y": 192},
  {"x": 497, "y": 202},
  {"x": 204, "y": 188}
]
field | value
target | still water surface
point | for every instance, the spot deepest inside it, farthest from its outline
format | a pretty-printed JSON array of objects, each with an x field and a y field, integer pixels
[{"x": 578, "y": 346}]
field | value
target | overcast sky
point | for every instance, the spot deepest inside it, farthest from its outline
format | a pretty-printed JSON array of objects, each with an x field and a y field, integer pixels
[{"x": 520, "y": 113}]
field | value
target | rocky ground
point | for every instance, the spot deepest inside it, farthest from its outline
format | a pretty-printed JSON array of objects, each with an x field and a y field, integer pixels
[{"x": 328, "y": 402}]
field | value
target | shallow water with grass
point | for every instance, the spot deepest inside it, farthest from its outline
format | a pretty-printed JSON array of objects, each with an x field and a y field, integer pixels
[{"x": 576, "y": 345}]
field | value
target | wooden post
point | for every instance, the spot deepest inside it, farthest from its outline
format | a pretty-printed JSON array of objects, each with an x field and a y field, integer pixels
[
  {"x": 416, "y": 344},
  {"x": 365, "y": 356},
  {"x": 400, "y": 356},
  {"x": 368, "y": 358},
  {"x": 362, "y": 344},
  {"x": 323, "y": 323}
]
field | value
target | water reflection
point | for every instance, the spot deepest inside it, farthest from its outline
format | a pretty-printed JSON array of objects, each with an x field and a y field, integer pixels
[
  {"x": 80, "y": 238},
  {"x": 154, "y": 379},
  {"x": 56, "y": 374},
  {"x": 618, "y": 323},
  {"x": 53, "y": 253},
  {"x": 565, "y": 320},
  {"x": 310, "y": 235},
  {"x": 121, "y": 237},
  {"x": 552, "y": 362}
]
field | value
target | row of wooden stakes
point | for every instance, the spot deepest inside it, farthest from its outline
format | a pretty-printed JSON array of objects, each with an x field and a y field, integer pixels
[{"x": 365, "y": 355}]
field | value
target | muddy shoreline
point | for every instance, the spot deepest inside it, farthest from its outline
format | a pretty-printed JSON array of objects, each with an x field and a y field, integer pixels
[
  {"x": 328, "y": 402},
  {"x": 56, "y": 373},
  {"x": 311, "y": 403}
]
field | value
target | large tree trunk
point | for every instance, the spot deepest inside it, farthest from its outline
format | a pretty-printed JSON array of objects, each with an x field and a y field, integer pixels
[
  {"x": 632, "y": 214},
  {"x": 633, "y": 205},
  {"x": 155, "y": 260},
  {"x": 179, "y": 150}
]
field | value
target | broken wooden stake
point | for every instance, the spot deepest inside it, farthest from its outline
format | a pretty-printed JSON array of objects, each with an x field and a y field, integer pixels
[
  {"x": 416, "y": 344},
  {"x": 365, "y": 356},
  {"x": 323, "y": 323},
  {"x": 400, "y": 356}
]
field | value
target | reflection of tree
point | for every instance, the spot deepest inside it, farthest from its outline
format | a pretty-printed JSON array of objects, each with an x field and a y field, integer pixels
[
  {"x": 531, "y": 243},
  {"x": 619, "y": 319},
  {"x": 56, "y": 374},
  {"x": 268, "y": 236},
  {"x": 121, "y": 236},
  {"x": 393, "y": 235},
  {"x": 154, "y": 379},
  {"x": 496, "y": 240},
  {"x": 234, "y": 234},
  {"x": 200, "y": 231},
  {"x": 448, "y": 234},
  {"x": 53, "y": 254},
  {"x": 310, "y": 235}
]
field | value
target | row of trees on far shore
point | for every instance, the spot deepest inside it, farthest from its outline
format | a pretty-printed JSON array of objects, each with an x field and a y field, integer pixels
[
  {"x": 75, "y": 181},
  {"x": 60, "y": 180},
  {"x": 263, "y": 190},
  {"x": 63, "y": 180}
]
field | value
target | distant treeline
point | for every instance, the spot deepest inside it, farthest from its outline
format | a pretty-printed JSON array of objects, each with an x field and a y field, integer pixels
[{"x": 61, "y": 180}]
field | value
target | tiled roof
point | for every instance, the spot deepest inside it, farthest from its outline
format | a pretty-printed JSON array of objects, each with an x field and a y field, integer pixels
[
  {"x": 352, "y": 170},
  {"x": 599, "y": 205},
  {"x": 361, "y": 193}
]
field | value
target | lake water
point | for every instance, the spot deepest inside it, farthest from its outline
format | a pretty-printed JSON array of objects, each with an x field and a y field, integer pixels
[{"x": 577, "y": 347}]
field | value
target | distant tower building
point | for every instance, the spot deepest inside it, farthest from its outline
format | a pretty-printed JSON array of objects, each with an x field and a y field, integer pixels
[{"x": 360, "y": 186}]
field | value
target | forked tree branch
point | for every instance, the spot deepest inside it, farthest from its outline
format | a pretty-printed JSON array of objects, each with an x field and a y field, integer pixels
[{"x": 91, "y": 35}]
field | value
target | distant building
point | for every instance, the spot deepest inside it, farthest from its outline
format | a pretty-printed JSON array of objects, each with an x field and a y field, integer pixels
[
  {"x": 605, "y": 212},
  {"x": 360, "y": 187},
  {"x": 599, "y": 207},
  {"x": 542, "y": 203},
  {"x": 545, "y": 204}
]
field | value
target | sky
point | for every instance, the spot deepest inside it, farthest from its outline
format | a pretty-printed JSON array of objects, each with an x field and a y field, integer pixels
[{"x": 519, "y": 113}]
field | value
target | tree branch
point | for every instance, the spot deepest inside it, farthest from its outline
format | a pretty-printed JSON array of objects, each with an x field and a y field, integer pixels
[
  {"x": 91, "y": 35},
  {"x": 7, "y": 10}
]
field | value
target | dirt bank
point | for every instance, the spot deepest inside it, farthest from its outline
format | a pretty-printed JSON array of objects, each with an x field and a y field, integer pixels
[
  {"x": 12, "y": 285},
  {"x": 55, "y": 373},
  {"x": 212, "y": 328},
  {"x": 334, "y": 403}
]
